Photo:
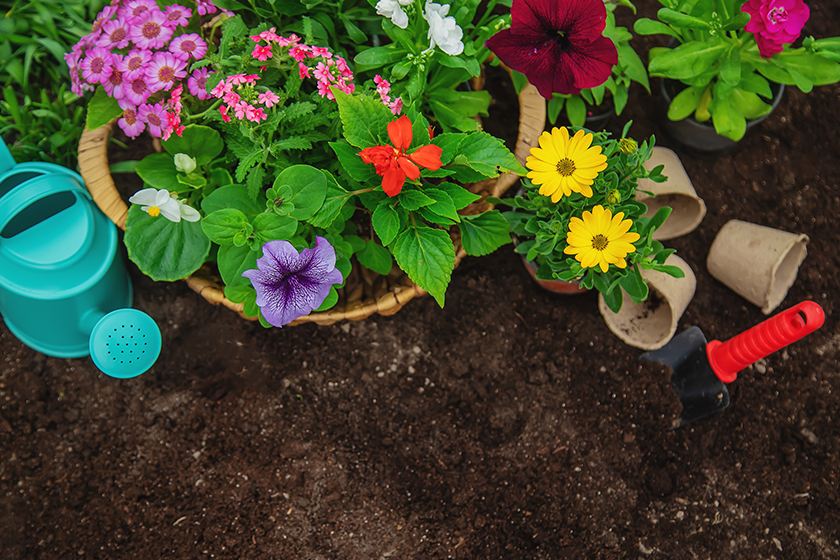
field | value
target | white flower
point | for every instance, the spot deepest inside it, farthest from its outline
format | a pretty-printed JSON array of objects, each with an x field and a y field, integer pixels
[
  {"x": 159, "y": 202},
  {"x": 156, "y": 202},
  {"x": 393, "y": 9},
  {"x": 443, "y": 31},
  {"x": 184, "y": 163}
]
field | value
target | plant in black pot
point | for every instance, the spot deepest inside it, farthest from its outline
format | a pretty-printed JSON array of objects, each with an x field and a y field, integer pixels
[{"x": 728, "y": 62}]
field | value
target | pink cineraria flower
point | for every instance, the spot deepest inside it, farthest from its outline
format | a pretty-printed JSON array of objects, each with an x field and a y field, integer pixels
[
  {"x": 303, "y": 69},
  {"x": 164, "y": 70},
  {"x": 188, "y": 45},
  {"x": 72, "y": 59},
  {"x": 154, "y": 116},
  {"x": 136, "y": 8},
  {"x": 97, "y": 65},
  {"x": 114, "y": 34},
  {"x": 148, "y": 30},
  {"x": 136, "y": 91},
  {"x": 134, "y": 64},
  {"x": 130, "y": 124},
  {"x": 197, "y": 84},
  {"x": 269, "y": 99},
  {"x": 113, "y": 84},
  {"x": 262, "y": 53},
  {"x": 177, "y": 15},
  {"x": 775, "y": 23},
  {"x": 206, "y": 7},
  {"x": 224, "y": 111}
]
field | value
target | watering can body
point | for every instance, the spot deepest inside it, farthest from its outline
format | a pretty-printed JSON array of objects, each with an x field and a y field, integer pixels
[{"x": 59, "y": 266}]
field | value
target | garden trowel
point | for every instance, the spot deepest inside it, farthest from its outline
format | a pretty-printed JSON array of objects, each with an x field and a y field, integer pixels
[{"x": 701, "y": 369}]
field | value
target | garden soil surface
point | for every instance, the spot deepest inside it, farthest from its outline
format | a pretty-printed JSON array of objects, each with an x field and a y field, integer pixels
[{"x": 510, "y": 424}]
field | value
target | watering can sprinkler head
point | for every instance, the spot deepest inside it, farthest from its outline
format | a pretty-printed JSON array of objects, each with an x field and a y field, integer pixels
[{"x": 125, "y": 343}]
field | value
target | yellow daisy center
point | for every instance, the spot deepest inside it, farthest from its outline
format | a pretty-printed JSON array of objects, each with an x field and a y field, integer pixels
[
  {"x": 600, "y": 242},
  {"x": 154, "y": 211},
  {"x": 566, "y": 167}
]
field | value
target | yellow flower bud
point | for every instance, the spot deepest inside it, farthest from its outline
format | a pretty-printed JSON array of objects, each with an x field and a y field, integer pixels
[
  {"x": 614, "y": 197},
  {"x": 628, "y": 145}
]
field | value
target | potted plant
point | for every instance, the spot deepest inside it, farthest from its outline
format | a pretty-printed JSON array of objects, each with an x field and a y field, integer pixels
[
  {"x": 578, "y": 219},
  {"x": 729, "y": 64},
  {"x": 297, "y": 178}
]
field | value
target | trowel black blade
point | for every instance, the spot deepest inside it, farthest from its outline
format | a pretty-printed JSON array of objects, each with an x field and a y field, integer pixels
[{"x": 692, "y": 378}]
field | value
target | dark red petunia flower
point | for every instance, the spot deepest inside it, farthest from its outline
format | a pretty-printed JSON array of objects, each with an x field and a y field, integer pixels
[{"x": 557, "y": 44}]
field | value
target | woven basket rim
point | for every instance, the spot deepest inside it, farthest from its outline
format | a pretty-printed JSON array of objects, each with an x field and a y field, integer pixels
[{"x": 94, "y": 168}]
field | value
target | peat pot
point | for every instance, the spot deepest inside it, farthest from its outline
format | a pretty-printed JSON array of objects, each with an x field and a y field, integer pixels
[{"x": 700, "y": 139}]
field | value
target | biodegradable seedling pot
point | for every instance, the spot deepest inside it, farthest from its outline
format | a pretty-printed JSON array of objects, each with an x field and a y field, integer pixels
[
  {"x": 652, "y": 323},
  {"x": 757, "y": 262},
  {"x": 688, "y": 209}
]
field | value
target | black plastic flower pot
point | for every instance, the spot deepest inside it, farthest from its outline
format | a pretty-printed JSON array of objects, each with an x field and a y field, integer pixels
[{"x": 696, "y": 138}]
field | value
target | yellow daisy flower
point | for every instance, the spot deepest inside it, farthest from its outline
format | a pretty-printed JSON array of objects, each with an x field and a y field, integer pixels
[
  {"x": 561, "y": 166},
  {"x": 600, "y": 239}
]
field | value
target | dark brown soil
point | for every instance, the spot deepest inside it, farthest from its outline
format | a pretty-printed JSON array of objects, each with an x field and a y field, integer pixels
[{"x": 511, "y": 424}]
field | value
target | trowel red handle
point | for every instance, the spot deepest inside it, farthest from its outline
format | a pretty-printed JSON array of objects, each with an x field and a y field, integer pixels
[{"x": 730, "y": 357}]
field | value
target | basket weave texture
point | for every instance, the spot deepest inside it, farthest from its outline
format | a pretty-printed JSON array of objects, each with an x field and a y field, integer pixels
[{"x": 365, "y": 292}]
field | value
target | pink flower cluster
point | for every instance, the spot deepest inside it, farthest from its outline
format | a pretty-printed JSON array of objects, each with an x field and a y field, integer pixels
[
  {"x": 133, "y": 52},
  {"x": 383, "y": 88},
  {"x": 775, "y": 23},
  {"x": 238, "y": 96},
  {"x": 317, "y": 62}
]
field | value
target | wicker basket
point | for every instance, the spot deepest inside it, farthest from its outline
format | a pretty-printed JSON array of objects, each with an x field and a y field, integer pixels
[{"x": 366, "y": 292}]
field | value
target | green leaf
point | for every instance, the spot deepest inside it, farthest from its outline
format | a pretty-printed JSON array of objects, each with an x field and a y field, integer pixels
[
  {"x": 460, "y": 196},
  {"x": 222, "y": 225},
  {"x": 200, "y": 142},
  {"x": 449, "y": 143},
  {"x": 164, "y": 250},
  {"x": 685, "y": 103},
  {"x": 412, "y": 199},
  {"x": 646, "y": 26},
  {"x": 231, "y": 196},
  {"x": 254, "y": 183},
  {"x": 484, "y": 233},
  {"x": 451, "y": 119},
  {"x": 635, "y": 286},
  {"x": 576, "y": 110},
  {"x": 730, "y": 67},
  {"x": 102, "y": 109},
  {"x": 387, "y": 221},
  {"x": 375, "y": 257},
  {"x": 309, "y": 189},
  {"x": 379, "y": 56},
  {"x": 750, "y": 105},
  {"x": 349, "y": 158},
  {"x": 158, "y": 171},
  {"x": 273, "y": 227},
  {"x": 678, "y": 19},
  {"x": 291, "y": 143},
  {"x": 442, "y": 204},
  {"x": 686, "y": 61},
  {"x": 727, "y": 118},
  {"x": 247, "y": 162},
  {"x": 233, "y": 261},
  {"x": 756, "y": 84},
  {"x": 816, "y": 69},
  {"x": 428, "y": 257},
  {"x": 520, "y": 80},
  {"x": 737, "y": 22},
  {"x": 365, "y": 120},
  {"x": 554, "y": 106},
  {"x": 333, "y": 203},
  {"x": 329, "y": 301},
  {"x": 613, "y": 298},
  {"x": 484, "y": 154}
]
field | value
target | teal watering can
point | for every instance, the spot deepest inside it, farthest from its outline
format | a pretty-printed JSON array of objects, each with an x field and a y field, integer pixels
[{"x": 64, "y": 291}]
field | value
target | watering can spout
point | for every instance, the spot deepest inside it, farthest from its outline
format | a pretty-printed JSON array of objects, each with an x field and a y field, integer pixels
[{"x": 6, "y": 159}]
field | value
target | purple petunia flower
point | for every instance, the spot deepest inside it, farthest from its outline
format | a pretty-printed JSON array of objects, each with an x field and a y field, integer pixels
[
  {"x": 290, "y": 285},
  {"x": 559, "y": 46}
]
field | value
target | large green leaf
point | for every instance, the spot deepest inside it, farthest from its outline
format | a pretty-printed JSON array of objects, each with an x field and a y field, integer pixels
[
  {"x": 484, "y": 233},
  {"x": 200, "y": 142},
  {"x": 222, "y": 225},
  {"x": 688, "y": 60},
  {"x": 232, "y": 196},
  {"x": 379, "y": 56},
  {"x": 428, "y": 257},
  {"x": 726, "y": 116},
  {"x": 233, "y": 261},
  {"x": 375, "y": 257},
  {"x": 388, "y": 221},
  {"x": 158, "y": 171},
  {"x": 442, "y": 204},
  {"x": 816, "y": 69},
  {"x": 351, "y": 161},
  {"x": 272, "y": 227},
  {"x": 484, "y": 154},
  {"x": 460, "y": 196},
  {"x": 102, "y": 109},
  {"x": 164, "y": 250},
  {"x": 336, "y": 198},
  {"x": 364, "y": 119},
  {"x": 309, "y": 189}
]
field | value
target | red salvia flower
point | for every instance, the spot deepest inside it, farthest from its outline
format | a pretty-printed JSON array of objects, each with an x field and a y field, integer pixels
[
  {"x": 557, "y": 45},
  {"x": 393, "y": 164}
]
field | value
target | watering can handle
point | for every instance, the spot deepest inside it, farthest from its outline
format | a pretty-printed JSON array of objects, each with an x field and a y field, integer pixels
[
  {"x": 6, "y": 159},
  {"x": 730, "y": 357},
  {"x": 35, "y": 189}
]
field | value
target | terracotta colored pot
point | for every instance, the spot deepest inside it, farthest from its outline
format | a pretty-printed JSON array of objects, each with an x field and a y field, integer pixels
[{"x": 554, "y": 286}]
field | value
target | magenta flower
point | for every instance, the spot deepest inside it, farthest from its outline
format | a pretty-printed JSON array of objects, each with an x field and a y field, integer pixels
[
  {"x": 177, "y": 15},
  {"x": 197, "y": 84},
  {"x": 148, "y": 30},
  {"x": 262, "y": 53},
  {"x": 114, "y": 34},
  {"x": 97, "y": 65},
  {"x": 223, "y": 110},
  {"x": 134, "y": 64},
  {"x": 268, "y": 98},
  {"x": 114, "y": 85},
  {"x": 557, "y": 45},
  {"x": 303, "y": 70},
  {"x": 775, "y": 23},
  {"x": 206, "y": 7},
  {"x": 188, "y": 45},
  {"x": 221, "y": 89},
  {"x": 136, "y": 91},
  {"x": 164, "y": 70},
  {"x": 290, "y": 285},
  {"x": 130, "y": 124},
  {"x": 154, "y": 116}
]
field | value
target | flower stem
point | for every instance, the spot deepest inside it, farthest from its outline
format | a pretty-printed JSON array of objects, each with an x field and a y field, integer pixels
[{"x": 215, "y": 105}]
